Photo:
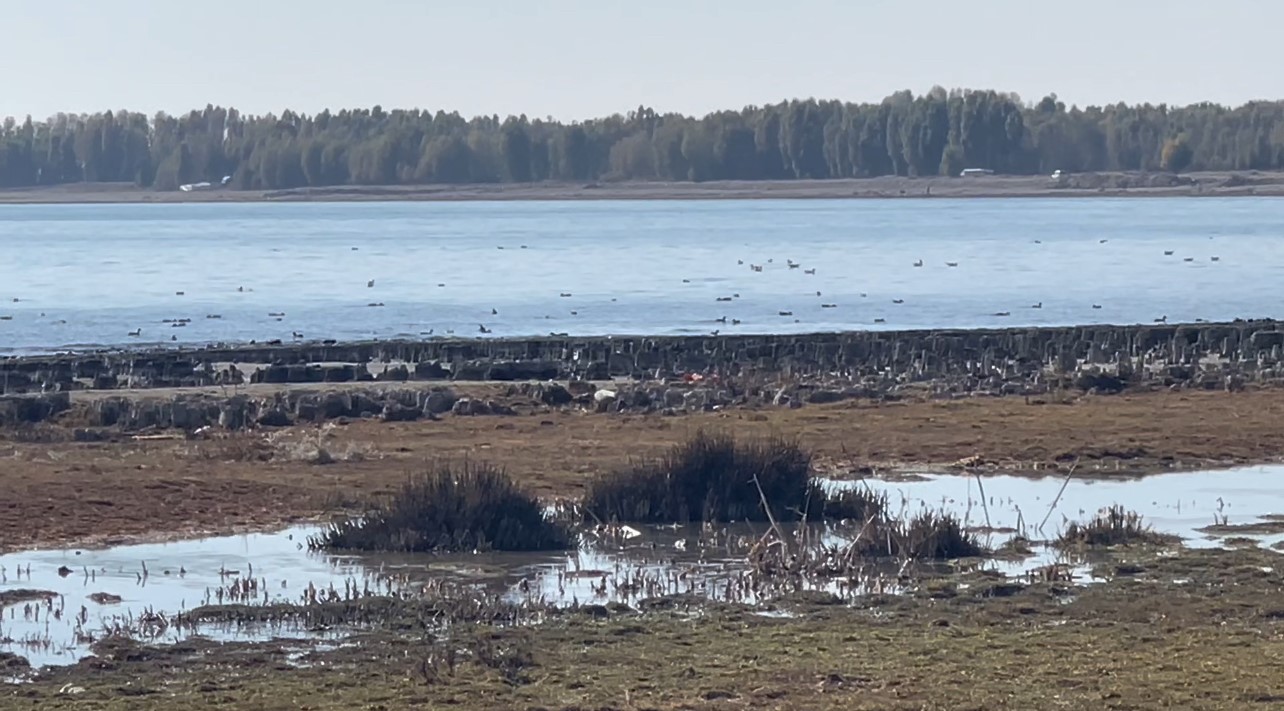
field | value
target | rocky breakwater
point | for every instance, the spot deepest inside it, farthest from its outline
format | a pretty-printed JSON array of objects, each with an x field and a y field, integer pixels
[
  {"x": 673, "y": 375},
  {"x": 999, "y": 360},
  {"x": 194, "y": 411}
]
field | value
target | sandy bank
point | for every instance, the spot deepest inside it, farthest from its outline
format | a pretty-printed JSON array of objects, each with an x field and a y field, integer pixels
[{"x": 1215, "y": 184}]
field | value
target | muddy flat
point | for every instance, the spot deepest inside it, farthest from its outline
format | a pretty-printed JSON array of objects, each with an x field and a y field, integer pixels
[{"x": 166, "y": 484}]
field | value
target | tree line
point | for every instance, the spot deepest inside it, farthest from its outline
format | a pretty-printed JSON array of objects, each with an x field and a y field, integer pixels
[{"x": 937, "y": 133}]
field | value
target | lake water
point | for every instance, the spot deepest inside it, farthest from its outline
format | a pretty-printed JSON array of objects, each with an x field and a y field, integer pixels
[{"x": 88, "y": 275}]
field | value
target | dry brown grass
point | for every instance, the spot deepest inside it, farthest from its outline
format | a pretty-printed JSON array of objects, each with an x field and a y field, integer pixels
[{"x": 57, "y": 491}]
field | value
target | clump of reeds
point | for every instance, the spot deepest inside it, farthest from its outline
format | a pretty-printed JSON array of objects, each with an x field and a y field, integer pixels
[
  {"x": 467, "y": 508},
  {"x": 856, "y": 504},
  {"x": 1111, "y": 527},
  {"x": 710, "y": 478},
  {"x": 930, "y": 535}
]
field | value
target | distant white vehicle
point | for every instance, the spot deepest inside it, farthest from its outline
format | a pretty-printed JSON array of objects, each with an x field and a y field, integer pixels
[
  {"x": 204, "y": 185},
  {"x": 975, "y": 172}
]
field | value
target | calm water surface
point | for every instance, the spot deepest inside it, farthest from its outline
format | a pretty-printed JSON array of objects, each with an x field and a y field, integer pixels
[{"x": 86, "y": 275}]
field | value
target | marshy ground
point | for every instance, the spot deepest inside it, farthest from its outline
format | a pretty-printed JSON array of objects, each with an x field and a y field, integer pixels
[
  {"x": 1152, "y": 626},
  {"x": 1201, "y": 629},
  {"x": 163, "y": 484}
]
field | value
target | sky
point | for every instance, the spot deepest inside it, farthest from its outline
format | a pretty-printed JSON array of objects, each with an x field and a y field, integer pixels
[{"x": 579, "y": 59}]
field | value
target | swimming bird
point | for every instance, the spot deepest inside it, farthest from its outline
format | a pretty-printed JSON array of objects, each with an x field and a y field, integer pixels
[
  {"x": 880, "y": 320},
  {"x": 817, "y": 293},
  {"x": 1096, "y": 306},
  {"x": 178, "y": 293},
  {"x": 721, "y": 320},
  {"x": 1168, "y": 252},
  {"x": 565, "y": 295},
  {"x": 794, "y": 266},
  {"x": 951, "y": 264},
  {"x": 740, "y": 261},
  {"x": 1188, "y": 259},
  {"x": 809, "y": 271},
  {"x": 1162, "y": 319},
  {"x": 1215, "y": 259},
  {"x": 919, "y": 263},
  {"x": 494, "y": 312},
  {"x": 370, "y": 284},
  {"x": 136, "y": 332},
  {"x": 440, "y": 285},
  {"x": 735, "y": 322},
  {"x": 296, "y": 335},
  {"x": 6, "y": 318},
  {"x": 1037, "y": 306},
  {"x": 786, "y": 313},
  {"x": 481, "y": 328},
  {"x": 686, "y": 281},
  {"x": 240, "y": 288},
  {"x": 1038, "y": 241},
  {"x": 724, "y": 298},
  {"x": 829, "y": 306},
  {"x": 898, "y": 301},
  {"x": 1002, "y": 313}
]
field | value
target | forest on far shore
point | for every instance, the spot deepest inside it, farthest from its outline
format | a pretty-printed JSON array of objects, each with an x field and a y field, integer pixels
[{"x": 938, "y": 133}]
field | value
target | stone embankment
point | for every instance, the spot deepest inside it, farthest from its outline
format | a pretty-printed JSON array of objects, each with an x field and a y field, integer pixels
[{"x": 649, "y": 373}]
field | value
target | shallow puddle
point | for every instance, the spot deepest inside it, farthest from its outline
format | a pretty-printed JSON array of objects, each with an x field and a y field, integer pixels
[
  {"x": 1180, "y": 504},
  {"x": 167, "y": 578},
  {"x": 178, "y": 576}
]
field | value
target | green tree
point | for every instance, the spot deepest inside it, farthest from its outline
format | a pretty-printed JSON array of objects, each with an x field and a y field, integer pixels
[{"x": 1177, "y": 154}]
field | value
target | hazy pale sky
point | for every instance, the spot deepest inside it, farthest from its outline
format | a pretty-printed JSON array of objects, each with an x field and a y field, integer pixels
[{"x": 575, "y": 59}]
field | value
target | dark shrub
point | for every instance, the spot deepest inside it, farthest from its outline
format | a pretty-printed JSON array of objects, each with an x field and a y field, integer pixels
[
  {"x": 709, "y": 478},
  {"x": 476, "y": 507}
]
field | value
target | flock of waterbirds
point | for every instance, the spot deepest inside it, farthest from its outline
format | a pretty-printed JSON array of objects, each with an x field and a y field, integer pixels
[{"x": 720, "y": 321}]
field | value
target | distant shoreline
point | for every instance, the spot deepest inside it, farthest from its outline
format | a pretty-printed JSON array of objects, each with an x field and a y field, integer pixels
[{"x": 1087, "y": 185}]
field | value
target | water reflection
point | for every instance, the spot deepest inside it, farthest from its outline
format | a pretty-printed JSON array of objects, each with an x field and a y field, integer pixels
[{"x": 142, "y": 587}]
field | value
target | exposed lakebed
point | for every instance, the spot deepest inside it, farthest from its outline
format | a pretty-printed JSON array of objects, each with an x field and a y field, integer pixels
[{"x": 96, "y": 591}]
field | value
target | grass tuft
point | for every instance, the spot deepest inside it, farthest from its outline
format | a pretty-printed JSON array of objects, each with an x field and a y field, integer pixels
[
  {"x": 473, "y": 507},
  {"x": 857, "y": 504},
  {"x": 709, "y": 478},
  {"x": 928, "y": 536},
  {"x": 1112, "y": 526}
]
